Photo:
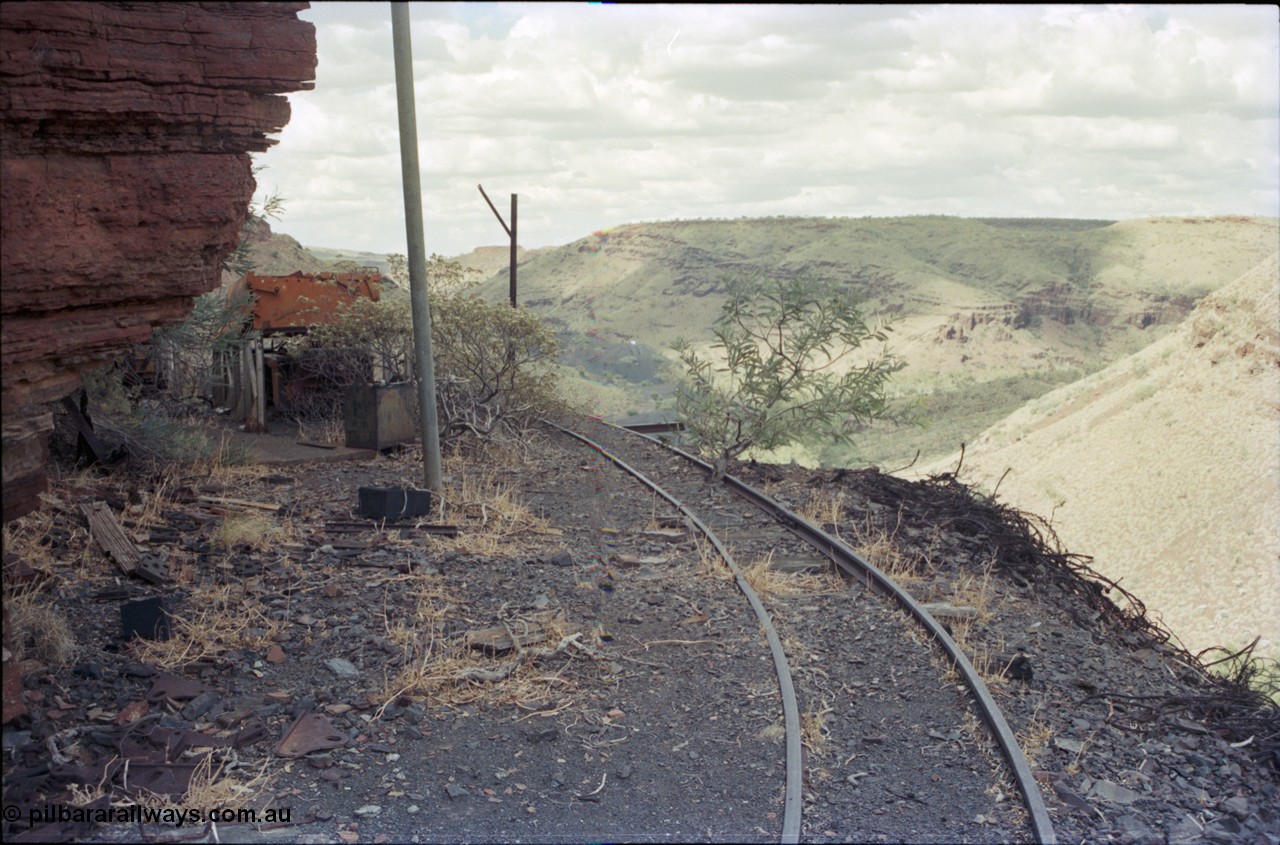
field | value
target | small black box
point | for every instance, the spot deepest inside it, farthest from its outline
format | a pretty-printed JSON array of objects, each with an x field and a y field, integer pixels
[
  {"x": 393, "y": 502},
  {"x": 146, "y": 618}
]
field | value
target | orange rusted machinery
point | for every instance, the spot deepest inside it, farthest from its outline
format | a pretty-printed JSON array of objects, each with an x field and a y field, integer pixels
[{"x": 294, "y": 303}]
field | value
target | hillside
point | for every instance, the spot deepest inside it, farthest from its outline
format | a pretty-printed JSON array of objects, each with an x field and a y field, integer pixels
[
  {"x": 987, "y": 313},
  {"x": 1166, "y": 466}
]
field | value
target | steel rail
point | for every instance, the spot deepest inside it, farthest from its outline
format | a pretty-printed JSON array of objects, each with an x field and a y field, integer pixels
[
  {"x": 793, "y": 801},
  {"x": 851, "y": 562}
]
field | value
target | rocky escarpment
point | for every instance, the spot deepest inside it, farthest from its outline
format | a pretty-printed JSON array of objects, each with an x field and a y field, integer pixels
[{"x": 125, "y": 179}]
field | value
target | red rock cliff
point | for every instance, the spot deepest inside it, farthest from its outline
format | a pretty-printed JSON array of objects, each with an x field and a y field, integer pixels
[{"x": 125, "y": 130}]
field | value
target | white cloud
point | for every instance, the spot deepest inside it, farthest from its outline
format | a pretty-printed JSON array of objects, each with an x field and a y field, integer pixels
[{"x": 600, "y": 115}]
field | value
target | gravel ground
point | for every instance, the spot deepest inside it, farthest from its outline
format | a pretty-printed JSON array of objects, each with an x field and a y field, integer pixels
[{"x": 636, "y": 703}]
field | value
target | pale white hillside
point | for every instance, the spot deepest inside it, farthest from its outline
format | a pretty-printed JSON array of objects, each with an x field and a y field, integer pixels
[{"x": 1166, "y": 466}]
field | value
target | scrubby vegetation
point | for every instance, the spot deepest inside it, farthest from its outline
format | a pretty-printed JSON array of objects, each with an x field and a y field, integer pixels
[
  {"x": 777, "y": 373},
  {"x": 494, "y": 365}
]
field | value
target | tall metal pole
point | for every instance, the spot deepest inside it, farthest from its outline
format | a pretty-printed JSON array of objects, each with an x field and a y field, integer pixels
[
  {"x": 513, "y": 250},
  {"x": 423, "y": 357}
]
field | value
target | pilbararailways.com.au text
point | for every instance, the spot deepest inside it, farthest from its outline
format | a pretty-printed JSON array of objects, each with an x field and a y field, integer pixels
[{"x": 134, "y": 814}]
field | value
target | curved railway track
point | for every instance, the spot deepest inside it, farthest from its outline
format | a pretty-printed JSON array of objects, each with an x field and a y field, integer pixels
[{"x": 880, "y": 687}]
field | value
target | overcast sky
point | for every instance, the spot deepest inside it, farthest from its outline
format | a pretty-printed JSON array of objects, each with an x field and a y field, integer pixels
[{"x": 599, "y": 115}]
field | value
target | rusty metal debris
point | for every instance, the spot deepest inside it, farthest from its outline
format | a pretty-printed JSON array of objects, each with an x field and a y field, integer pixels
[
  {"x": 310, "y": 732},
  {"x": 293, "y": 303},
  {"x": 173, "y": 688}
]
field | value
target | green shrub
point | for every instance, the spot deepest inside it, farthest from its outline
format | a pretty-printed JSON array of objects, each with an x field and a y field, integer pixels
[{"x": 773, "y": 376}]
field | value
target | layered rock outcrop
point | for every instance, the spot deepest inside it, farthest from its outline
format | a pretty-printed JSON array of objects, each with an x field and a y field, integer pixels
[{"x": 125, "y": 179}]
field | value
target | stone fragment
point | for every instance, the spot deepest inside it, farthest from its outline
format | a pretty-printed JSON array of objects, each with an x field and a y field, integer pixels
[
  {"x": 1070, "y": 798},
  {"x": 1237, "y": 806},
  {"x": 276, "y": 655},
  {"x": 541, "y": 735},
  {"x": 1135, "y": 831},
  {"x": 200, "y": 705},
  {"x": 1225, "y": 830},
  {"x": 1073, "y": 746},
  {"x": 368, "y": 810},
  {"x": 455, "y": 791},
  {"x": 1114, "y": 792},
  {"x": 342, "y": 668},
  {"x": 132, "y": 712}
]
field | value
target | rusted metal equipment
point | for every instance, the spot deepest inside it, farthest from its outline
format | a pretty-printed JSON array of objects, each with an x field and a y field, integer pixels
[
  {"x": 294, "y": 303},
  {"x": 282, "y": 306}
]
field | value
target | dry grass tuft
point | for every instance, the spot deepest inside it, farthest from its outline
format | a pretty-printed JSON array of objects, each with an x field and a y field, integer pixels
[
  {"x": 1035, "y": 738},
  {"x": 28, "y": 537},
  {"x": 880, "y": 548},
  {"x": 767, "y": 581},
  {"x": 255, "y": 530},
  {"x": 38, "y": 630},
  {"x": 813, "y": 729},
  {"x": 223, "y": 785},
  {"x": 774, "y": 733},
  {"x": 225, "y": 620},
  {"x": 978, "y": 592},
  {"x": 710, "y": 563},
  {"x": 490, "y": 513},
  {"x": 444, "y": 670},
  {"x": 824, "y": 507}
]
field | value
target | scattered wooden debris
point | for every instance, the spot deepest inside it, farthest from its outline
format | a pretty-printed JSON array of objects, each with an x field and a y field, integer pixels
[
  {"x": 226, "y": 501},
  {"x": 107, "y": 532},
  {"x": 350, "y": 527},
  {"x": 518, "y": 634}
]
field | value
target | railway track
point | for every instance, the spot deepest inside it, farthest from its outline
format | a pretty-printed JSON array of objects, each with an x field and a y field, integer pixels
[{"x": 890, "y": 732}]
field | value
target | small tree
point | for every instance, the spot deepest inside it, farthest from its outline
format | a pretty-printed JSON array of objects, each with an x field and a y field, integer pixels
[{"x": 778, "y": 374}]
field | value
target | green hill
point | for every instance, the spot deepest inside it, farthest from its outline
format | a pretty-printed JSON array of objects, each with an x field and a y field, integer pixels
[{"x": 988, "y": 313}]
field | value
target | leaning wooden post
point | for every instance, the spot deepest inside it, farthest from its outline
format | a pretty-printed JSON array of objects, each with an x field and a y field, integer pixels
[
  {"x": 513, "y": 251},
  {"x": 511, "y": 233}
]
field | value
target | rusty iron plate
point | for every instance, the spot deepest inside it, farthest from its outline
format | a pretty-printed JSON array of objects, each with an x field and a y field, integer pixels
[{"x": 310, "y": 732}]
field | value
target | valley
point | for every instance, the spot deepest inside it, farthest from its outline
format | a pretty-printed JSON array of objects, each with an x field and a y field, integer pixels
[{"x": 988, "y": 314}]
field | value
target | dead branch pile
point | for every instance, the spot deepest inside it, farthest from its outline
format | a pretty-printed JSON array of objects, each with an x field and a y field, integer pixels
[
  {"x": 1025, "y": 547},
  {"x": 1237, "y": 692}
]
